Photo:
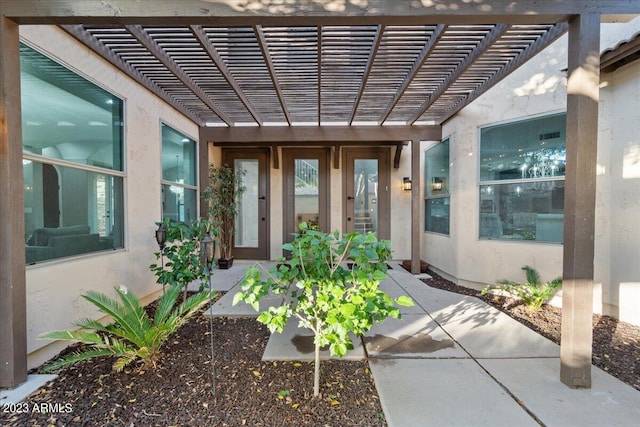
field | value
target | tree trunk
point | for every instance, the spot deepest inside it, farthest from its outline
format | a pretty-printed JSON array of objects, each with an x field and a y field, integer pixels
[{"x": 316, "y": 377}]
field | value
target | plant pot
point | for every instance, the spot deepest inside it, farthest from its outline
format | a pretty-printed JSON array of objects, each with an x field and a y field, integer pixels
[{"x": 225, "y": 263}]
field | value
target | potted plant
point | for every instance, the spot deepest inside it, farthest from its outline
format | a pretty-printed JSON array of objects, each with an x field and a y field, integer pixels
[{"x": 222, "y": 194}]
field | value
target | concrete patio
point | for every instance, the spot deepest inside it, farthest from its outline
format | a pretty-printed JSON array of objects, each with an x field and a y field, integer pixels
[{"x": 454, "y": 360}]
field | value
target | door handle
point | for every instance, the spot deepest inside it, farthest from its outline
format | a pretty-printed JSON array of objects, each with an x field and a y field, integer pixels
[
  {"x": 262, "y": 198},
  {"x": 348, "y": 218},
  {"x": 264, "y": 219},
  {"x": 350, "y": 198}
]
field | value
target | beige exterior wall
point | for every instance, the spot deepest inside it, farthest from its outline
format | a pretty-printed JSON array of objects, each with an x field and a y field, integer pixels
[
  {"x": 54, "y": 288},
  {"x": 539, "y": 88}
]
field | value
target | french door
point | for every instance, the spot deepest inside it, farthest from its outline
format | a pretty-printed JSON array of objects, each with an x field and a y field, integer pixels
[
  {"x": 251, "y": 237},
  {"x": 306, "y": 189},
  {"x": 366, "y": 182}
]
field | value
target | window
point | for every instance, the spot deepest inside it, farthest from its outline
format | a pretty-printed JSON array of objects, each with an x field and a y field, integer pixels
[
  {"x": 179, "y": 188},
  {"x": 72, "y": 133},
  {"x": 522, "y": 180},
  {"x": 437, "y": 199}
]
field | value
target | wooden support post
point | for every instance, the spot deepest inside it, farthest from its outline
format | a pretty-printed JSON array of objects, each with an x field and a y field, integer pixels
[
  {"x": 203, "y": 173},
  {"x": 415, "y": 207},
  {"x": 13, "y": 335},
  {"x": 579, "y": 200}
]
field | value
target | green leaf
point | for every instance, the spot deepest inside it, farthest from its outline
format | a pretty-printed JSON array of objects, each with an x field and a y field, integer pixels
[
  {"x": 239, "y": 296},
  {"x": 404, "y": 301}
]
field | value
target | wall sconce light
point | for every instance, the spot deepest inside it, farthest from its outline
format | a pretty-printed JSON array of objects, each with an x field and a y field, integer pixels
[
  {"x": 436, "y": 184},
  {"x": 406, "y": 184}
]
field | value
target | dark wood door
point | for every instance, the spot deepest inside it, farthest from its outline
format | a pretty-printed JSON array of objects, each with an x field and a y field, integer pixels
[
  {"x": 366, "y": 188},
  {"x": 251, "y": 239},
  {"x": 306, "y": 189}
]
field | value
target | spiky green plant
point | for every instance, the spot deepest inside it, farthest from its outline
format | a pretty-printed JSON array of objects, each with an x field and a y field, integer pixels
[
  {"x": 133, "y": 334},
  {"x": 532, "y": 293}
]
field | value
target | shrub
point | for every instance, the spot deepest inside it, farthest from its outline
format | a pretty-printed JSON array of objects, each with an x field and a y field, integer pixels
[
  {"x": 326, "y": 297},
  {"x": 182, "y": 263},
  {"x": 132, "y": 335},
  {"x": 532, "y": 293}
]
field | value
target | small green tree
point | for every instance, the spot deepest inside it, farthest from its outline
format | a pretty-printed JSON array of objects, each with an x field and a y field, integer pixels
[
  {"x": 328, "y": 298},
  {"x": 532, "y": 293},
  {"x": 182, "y": 264},
  {"x": 132, "y": 335}
]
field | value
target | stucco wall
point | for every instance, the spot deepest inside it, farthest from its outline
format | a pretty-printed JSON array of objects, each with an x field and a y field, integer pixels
[
  {"x": 539, "y": 88},
  {"x": 618, "y": 211},
  {"x": 54, "y": 289}
]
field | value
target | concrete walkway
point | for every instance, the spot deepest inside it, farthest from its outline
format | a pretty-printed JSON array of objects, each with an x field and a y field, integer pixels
[{"x": 454, "y": 360}]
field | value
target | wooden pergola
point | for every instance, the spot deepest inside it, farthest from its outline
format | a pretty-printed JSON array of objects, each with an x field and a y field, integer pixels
[{"x": 323, "y": 71}]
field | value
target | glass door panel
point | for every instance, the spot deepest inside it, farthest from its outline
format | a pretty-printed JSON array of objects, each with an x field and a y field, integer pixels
[
  {"x": 306, "y": 189},
  {"x": 365, "y": 184},
  {"x": 366, "y": 174},
  {"x": 251, "y": 228},
  {"x": 247, "y": 221},
  {"x": 306, "y": 192}
]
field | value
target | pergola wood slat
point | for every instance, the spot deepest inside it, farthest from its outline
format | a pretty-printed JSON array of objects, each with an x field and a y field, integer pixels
[
  {"x": 85, "y": 37},
  {"x": 144, "y": 38}
]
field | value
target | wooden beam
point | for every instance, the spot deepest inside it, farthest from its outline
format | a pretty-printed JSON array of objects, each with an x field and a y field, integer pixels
[
  {"x": 553, "y": 34},
  {"x": 303, "y": 12},
  {"x": 199, "y": 33},
  {"x": 367, "y": 71},
  {"x": 307, "y": 135},
  {"x": 398, "y": 153},
  {"x": 579, "y": 200},
  {"x": 13, "y": 304},
  {"x": 497, "y": 32},
  {"x": 203, "y": 174},
  {"x": 417, "y": 65},
  {"x": 276, "y": 157},
  {"x": 319, "y": 63},
  {"x": 262, "y": 42},
  {"x": 83, "y": 36},
  {"x": 145, "y": 39},
  {"x": 416, "y": 205}
]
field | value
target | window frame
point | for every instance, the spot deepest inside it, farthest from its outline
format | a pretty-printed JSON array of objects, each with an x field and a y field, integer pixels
[
  {"x": 506, "y": 182},
  {"x": 444, "y": 195},
  {"x": 109, "y": 172},
  {"x": 168, "y": 183}
]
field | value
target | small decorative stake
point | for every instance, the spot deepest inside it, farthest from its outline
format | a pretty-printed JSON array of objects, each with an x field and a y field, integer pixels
[{"x": 207, "y": 246}]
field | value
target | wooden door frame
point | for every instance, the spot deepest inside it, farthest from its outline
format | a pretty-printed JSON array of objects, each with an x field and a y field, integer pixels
[
  {"x": 264, "y": 236},
  {"x": 383, "y": 155},
  {"x": 323, "y": 154}
]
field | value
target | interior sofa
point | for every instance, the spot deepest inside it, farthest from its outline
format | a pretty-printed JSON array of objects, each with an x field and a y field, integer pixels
[{"x": 48, "y": 243}]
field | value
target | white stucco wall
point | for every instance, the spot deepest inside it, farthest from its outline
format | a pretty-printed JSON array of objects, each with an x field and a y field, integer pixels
[
  {"x": 618, "y": 208},
  {"x": 54, "y": 289},
  {"x": 539, "y": 88}
]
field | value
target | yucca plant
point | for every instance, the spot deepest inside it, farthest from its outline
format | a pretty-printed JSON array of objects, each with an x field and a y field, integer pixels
[
  {"x": 133, "y": 334},
  {"x": 532, "y": 293}
]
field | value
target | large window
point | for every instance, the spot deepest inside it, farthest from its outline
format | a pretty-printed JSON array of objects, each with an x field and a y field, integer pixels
[
  {"x": 72, "y": 132},
  {"x": 179, "y": 182},
  {"x": 522, "y": 180},
  {"x": 437, "y": 199}
]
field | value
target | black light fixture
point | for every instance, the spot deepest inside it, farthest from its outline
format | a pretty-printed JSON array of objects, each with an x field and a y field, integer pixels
[
  {"x": 406, "y": 184},
  {"x": 207, "y": 247},
  {"x": 161, "y": 236},
  {"x": 206, "y": 251}
]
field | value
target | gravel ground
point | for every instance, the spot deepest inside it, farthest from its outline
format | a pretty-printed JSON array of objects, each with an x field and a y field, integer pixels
[
  {"x": 255, "y": 393},
  {"x": 179, "y": 393}
]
